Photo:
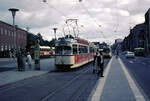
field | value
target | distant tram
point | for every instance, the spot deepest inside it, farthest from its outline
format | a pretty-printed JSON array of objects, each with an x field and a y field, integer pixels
[
  {"x": 73, "y": 52},
  {"x": 139, "y": 51},
  {"x": 45, "y": 51}
]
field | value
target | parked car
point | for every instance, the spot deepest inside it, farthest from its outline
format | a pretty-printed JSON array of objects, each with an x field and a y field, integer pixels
[
  {"x": 129, "y": 54},
  {"x": 124, "y": 53}
]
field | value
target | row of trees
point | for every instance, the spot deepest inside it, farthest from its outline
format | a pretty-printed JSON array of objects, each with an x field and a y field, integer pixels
[{"x": 31, "y": 41}]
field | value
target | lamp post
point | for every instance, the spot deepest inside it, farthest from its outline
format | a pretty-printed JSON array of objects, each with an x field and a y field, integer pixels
[
  {"x": 55, "y": 29},
  {"x": 13, "y": 11}
]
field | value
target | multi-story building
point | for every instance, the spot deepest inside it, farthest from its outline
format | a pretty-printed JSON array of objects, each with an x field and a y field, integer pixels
[
  {"x": 147, "y": 22},
  {"x": 136, "y": 38},
  {"x": 10, "y": 40}
]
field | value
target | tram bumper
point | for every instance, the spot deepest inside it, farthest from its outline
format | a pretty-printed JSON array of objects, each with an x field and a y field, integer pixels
[{"x": 64, "y": 60}]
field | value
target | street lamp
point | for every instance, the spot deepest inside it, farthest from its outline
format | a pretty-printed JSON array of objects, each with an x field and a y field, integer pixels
[
  {"x": 13, "y": 11},
  {"x": 55, "y": 29}
]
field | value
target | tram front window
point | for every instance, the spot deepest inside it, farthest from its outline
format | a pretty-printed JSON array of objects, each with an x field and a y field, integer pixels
[
  {"x": 64, "y": 50},
  {"x": 59, "y": 50},
  {"x": 67, "y": 50}
]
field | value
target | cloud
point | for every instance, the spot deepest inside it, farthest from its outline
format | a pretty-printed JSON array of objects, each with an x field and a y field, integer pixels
[
  {"x": 124, "y": 13},
  {"x": 103, "y": 20}
]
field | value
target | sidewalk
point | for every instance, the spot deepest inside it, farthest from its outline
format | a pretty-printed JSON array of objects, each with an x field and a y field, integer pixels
[
  {"x": 14, "y": 75},
  {"x": 117, "y": 85}
]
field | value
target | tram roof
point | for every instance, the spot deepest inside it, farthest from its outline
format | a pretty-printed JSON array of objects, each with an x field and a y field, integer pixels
[
  {"x": 82, "y": 41},
  {"x": 45, "y": 47},
  {"x": 73, "y": 40}
]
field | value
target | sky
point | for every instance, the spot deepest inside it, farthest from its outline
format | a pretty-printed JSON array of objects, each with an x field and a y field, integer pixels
[{"x": 97, "y": 20}]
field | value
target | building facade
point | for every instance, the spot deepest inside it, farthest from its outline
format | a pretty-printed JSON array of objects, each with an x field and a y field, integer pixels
[
  {"x": 136, "y": 39},
  {"x": 147, "y": 22},
  {"x": 10, "y": 40}
]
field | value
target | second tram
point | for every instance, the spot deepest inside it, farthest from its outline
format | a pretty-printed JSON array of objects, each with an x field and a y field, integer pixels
[{"x": 73, "y": 52}]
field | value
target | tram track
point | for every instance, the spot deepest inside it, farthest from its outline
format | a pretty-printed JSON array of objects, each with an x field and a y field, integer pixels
[
  {"x": 64, "y": 86},
  {"x": 80, "y": 92},
  {"x": 27, "y": 83},
  {"x": 53, "y": 86}
]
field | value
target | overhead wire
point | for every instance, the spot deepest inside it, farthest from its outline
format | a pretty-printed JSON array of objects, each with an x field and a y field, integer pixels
[
  {"x": 98, "y": 26},
  {"x": 51, "y": 6},
  {"x": 64, "y": 15}
]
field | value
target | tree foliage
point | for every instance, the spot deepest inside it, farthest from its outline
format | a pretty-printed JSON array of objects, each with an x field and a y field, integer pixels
[{"x": 31, "y": 41}]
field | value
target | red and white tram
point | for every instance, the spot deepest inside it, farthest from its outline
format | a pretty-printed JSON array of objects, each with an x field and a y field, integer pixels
[
  {"x": 73, "y": 52},
  {"x": 46, "y": 50}
]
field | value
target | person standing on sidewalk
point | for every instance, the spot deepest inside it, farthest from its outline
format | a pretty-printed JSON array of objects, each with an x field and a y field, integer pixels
[
  {"x": 19, "y": 61},
  {"x": 29, "y": 60},
  {"x": 23, "y": 59},
  {"x": 100, "y": 63},
  {"x": 95, "y": 67}
]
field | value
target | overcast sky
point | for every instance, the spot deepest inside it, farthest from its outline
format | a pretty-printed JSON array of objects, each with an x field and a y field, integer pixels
[{"x": 98, "y": 20}]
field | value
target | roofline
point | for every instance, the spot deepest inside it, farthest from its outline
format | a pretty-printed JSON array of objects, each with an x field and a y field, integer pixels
[{"x": 12, "y": 25}]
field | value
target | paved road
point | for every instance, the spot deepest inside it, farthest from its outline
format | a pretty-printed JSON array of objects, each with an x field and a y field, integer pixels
[
  {"x": 73, "y": 85},
  {"x": 139, "y": 67}
]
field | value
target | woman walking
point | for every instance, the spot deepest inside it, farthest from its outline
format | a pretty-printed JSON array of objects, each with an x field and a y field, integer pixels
[{"x": 29, "y": 60}]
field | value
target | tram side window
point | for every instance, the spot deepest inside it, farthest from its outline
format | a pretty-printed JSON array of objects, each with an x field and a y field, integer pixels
[
  {"x": 75, "y": 51},
  {"x": 83, "y": 49}
]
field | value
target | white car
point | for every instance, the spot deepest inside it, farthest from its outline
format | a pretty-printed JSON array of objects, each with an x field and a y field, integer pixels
[{"x": 130, "y": 54}]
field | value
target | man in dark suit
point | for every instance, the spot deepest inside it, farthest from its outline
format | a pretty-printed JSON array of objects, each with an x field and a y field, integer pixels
[{"x": 100, "y": 63}]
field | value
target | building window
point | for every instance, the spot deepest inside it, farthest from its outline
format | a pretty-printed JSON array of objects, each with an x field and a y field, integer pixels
[
  {"x": 12, "y": 34},
  {"x": 2, "y": 48},
  {"x": 9, "y": 47},
  {"x": 6, "y": 47},
  {"x": 1, "y": 31},
  {"x": 5, "y": 31}
]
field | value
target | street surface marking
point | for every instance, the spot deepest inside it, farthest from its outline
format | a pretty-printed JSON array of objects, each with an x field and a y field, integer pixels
[
  {"x": 131, "y": 62},
  {"x": 144, "y": 63},
  {"x": 138, "y": 95},
  {"x": 97, "y": 91}
]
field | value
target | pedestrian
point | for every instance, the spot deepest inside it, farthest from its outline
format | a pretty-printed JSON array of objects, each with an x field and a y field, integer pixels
[
  {"x": 100, "y": 63},
  {"x": 24, "y": 60},
  {"x": 19, "y": 61},
  {"x": 95, "y": 67},
  {"x": 10, "y": 54},
  {"x": 29, "y": 60}
]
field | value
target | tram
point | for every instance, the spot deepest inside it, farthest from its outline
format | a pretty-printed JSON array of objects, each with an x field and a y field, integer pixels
[
  {"x": 46, "y": 50},
  {"x": 73, "y": 52}
]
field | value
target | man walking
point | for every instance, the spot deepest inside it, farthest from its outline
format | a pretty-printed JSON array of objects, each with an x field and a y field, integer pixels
[
  {"x": 95, "y": 67},
  {"x": 100, "y": 63},
  {"x": 19, "y": 61}
]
